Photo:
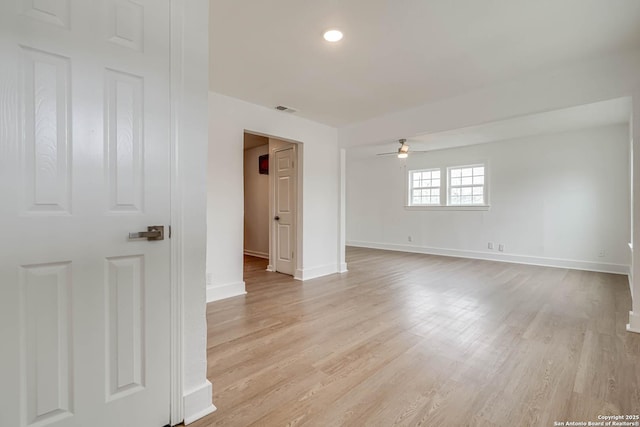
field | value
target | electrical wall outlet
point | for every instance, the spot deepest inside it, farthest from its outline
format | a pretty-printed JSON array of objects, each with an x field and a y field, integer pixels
[
  {"x": 601, "y": 253},
  {"x": 501, "y": 247},
  {"x": 409, "y": 239},
  {"x": 490, "y": 245}
]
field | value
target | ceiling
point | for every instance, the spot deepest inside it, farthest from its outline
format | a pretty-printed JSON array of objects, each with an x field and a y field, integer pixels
[
  {"x": 399, "y": 54},
  {"x": 253, "y": 141},
  {"x": 615, "y": 111}
]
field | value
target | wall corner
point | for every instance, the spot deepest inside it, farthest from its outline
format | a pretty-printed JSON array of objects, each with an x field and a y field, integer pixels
[{"x": 634, "y": 322}]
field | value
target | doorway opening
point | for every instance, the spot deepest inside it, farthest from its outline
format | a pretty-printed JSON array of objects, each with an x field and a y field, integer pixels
[{"x": 272, "y": 205}]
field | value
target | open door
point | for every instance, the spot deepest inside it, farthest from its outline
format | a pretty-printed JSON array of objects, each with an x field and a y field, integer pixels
[
  {"x": 84, "y": 143},
  {"x": 285, "y": 210}
]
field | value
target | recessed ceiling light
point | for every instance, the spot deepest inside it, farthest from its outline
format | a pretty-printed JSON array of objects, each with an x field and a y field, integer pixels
[{"x": 333, "y": 36}]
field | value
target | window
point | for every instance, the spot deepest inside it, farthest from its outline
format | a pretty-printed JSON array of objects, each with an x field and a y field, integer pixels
[
  {"x": 449, "y": 187},
  {"x": 466, "y": 185},
  {"x": 424, "y": 187}
]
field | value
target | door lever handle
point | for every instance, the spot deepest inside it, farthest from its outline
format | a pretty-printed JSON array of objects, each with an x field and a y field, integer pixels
[{"x": 154, "y": 232}]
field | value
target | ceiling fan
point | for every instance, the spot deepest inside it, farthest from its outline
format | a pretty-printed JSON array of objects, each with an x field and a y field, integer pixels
[{"x": 403, "y": 151}]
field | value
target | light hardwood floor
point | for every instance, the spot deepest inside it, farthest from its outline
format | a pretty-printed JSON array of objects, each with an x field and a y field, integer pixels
[{"x": 418, "y": 340}]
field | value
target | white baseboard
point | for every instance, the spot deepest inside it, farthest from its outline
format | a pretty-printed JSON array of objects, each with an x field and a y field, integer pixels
[
  {"x": 218, "y": 292},
  {"x": 501, "y": 257},
  {"x": 314, "y": 272},
  {"x": 256, "y": 254},
  {"x": 198, "y": 403},
  {"x": 343, "y": 268},
  {"x": 634, "y": 322}
]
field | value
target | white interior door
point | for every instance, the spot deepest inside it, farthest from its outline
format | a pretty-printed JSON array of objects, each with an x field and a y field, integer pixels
[
  {"x": 285, "y": 210},
  {"x": 84, "y": 160}
]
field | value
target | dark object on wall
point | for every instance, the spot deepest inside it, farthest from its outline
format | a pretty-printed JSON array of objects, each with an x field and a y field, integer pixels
[{"x": 263, "y": 164}]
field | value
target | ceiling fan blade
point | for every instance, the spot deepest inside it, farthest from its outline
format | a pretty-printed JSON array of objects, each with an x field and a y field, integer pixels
[{"x": 402, "y": 152}]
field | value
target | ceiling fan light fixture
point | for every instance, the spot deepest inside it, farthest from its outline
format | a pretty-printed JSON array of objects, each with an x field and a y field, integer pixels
[{"x": 403, "y": 151}]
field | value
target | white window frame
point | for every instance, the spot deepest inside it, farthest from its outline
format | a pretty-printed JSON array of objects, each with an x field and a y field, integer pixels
[
  {"x": 483, "y": 185},
  {"x": 444, "y": 188},
  {"x": 411, "y": 188}
]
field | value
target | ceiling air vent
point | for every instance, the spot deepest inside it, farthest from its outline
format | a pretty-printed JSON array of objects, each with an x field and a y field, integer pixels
[{"x": 285, "y": 109}]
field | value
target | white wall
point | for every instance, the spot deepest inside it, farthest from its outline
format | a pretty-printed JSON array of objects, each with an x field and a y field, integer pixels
[
  {"x": 256, "y": 204},
  {"x": 229, "y": 118},
  {"x": 584, "y": 82},
  {"x": 555, "y": 200}
]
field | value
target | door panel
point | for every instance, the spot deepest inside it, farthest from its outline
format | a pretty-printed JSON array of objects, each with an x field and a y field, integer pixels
[
  {"x": 285, "y": 210},
  {"x": 47, "y": 331},
  {"x": 47, "y": 129},
  {"x": 284, "y": 249},
  {"x": 283, "y": 200},
  {"x": 123, "y": 128},
  {"x": 55, "y": 12},
  {"x": 125, "y": 324},
  {"x": 84, "y": 160}
]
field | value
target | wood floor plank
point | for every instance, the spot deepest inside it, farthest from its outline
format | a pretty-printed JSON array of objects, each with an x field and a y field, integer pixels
[{"x": 418, "y": 340}]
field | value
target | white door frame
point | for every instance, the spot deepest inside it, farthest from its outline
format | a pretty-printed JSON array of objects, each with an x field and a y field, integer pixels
[
  {"x": 299, "y": 155},
  {"x": 190, "y": 390},
  {"x": 176, "y": 369},
  {"x": 178, "y": 75}
]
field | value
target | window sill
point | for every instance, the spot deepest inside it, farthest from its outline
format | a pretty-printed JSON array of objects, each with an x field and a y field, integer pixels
[{"x": 448, "y": 208}]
